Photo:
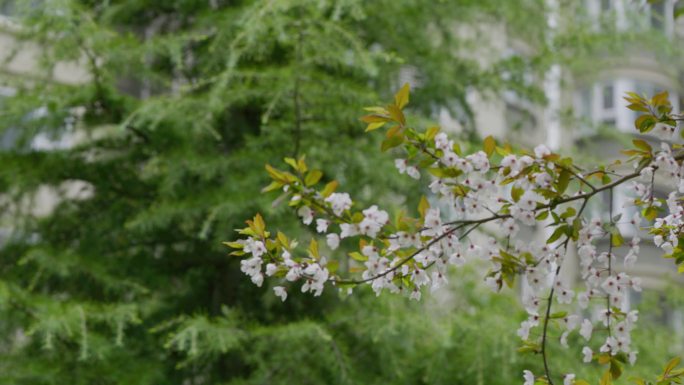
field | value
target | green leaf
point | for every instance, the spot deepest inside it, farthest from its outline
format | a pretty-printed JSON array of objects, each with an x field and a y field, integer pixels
[
  {"x": 616, "y": 238},
  {"x": 563, "y": 181},
  {"x": 431, "y": 133},
  {"x": 642, "y": 145},
  {"x": 423, "y": 206},
  {"x": 275, "y": 185},
  {"x": 282, "y": 238},
  {"x": 395, "y": 137},
  {"x": 569, "y": 212},
  {"x": 332, "y": 266},
  {"x": 671, "y": 365},
  {"x": 560, "y": 230},
  {"x": 560, "y": 314},
  {"x": 489, "y": 145},
  {"x": 516, "y": 193},
  {"x": 292, "y": 163},
  {"x": 374, "y": 126},
  {"x": 606, "y": 379},
  {"x": 234, "y": 245},
  {"x": 650, "y": 213},
  {"x": 615, "y": 369},
  {"x": 313, "y": 177},
  {"x": 401, "y": 98},
  {"x": 645, "y": 123},
  {"x": 358, "y": 256},
  {"x": 396, "y": 114},
  {"x": 313, "y": 249},
  {"x": 329, "y": 188},
  {"x": 660, "y": 99}
]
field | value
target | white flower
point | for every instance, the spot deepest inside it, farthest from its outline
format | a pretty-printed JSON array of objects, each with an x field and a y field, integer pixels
[
  {"x": 271, "y": 269},
  {"x": 524, "y": 216},
  {"x": 543, "y": 179},
  {"x": 663, "y": 131},
  {"x": 322, "y": 225},
  {"x": 433, "y": 222},
  {"x": 528, "y": 201},
  {"x": 373, "y": 221},
  {"x": 564, "y": 339},
  {"x": 609, "y": 346},
  {"x": 415, "y": 294},
  {"x": 633, "y": 357},
  {"x": 438, "y": 280},
  {"x": 588, "y": 354},
  {"x": 610, "y": 285},
  {"x": 401, "y": 165},
  {"x": 586, "y": 329},
  {"x": 571, "y": 322},
  {"x": 339, "y": 202},
  {"x": 258, "y": 279},
  {"x": 524, "y": 330},
  {"x": 604, "y": 316},
  {"x": 256, "y": 248},
  {"x": 333, "y": 240},
  {"x": 541, "y": 151},
  {"x": 565, "y": 296},
  {"x": 510, "y": 228},
  {"x": 569, "y": 379},
  {"x": 348, "y": 230},
  {"x": 480, "y": 161},
  {"x": 630, "y": 259},
  {"x": 442, "y": 141},
  {"x": 280, "y": 292},
  {"x": 632, "y": 317},
  {"x": 493, "y": 283},
  {"x": 413, "y": 172},
  {"x": 307, "y": 214},
  {"x": 529, "y": 377},
  {"x": 583, "y": 299}
]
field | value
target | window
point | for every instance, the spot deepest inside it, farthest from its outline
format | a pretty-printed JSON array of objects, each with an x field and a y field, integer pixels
[
  {"x": 7, "y": 7},
  {"x": 658, "y": 15},
  {"x": 608, "y": 97},
  {"x": 606, "y": 5}
]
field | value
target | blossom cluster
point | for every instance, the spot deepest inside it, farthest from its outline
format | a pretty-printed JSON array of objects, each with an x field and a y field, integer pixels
[{"x": 496, "y": 189}]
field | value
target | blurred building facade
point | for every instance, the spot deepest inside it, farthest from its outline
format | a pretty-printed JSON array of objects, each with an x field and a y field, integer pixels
[{"x": 586, "y": 116}]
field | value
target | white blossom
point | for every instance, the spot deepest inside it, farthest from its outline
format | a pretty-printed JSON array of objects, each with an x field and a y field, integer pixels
[
  {"x": 322, "y": 225},
  {"x": 586, "y": 328},
  {"x": 529, "y": 377},
  {"x": 339, "y": 202},
  {"x": 280, "y": 292},
  {"x": 306, "y": 214},
  {"x": 569, "y": 379},
  {"x": 333, "y": 240}
]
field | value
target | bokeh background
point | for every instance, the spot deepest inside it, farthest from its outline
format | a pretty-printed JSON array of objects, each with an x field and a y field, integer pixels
[{"x": 133, "y": 138}]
